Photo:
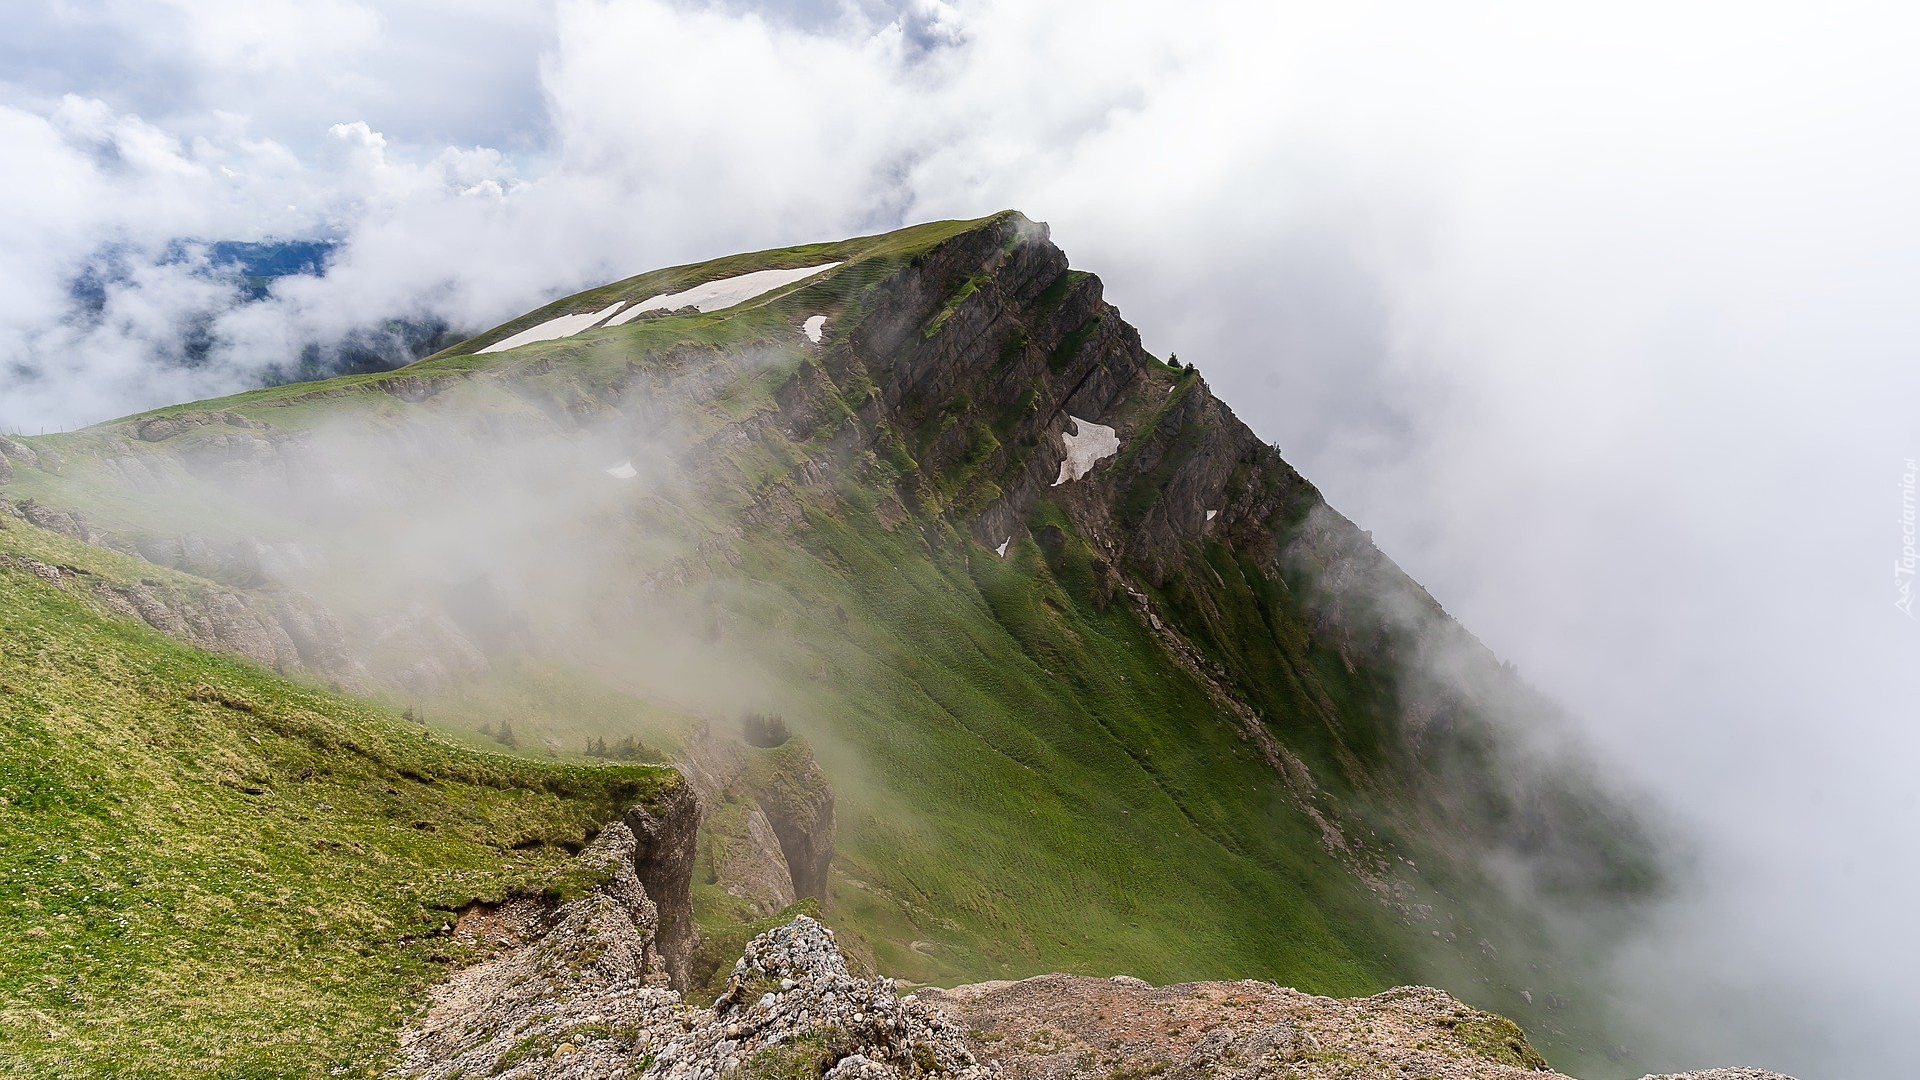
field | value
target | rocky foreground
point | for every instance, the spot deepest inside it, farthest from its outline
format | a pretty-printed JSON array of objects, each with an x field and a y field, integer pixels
[
  {"x": 1067, "y": 1027},
  {"x": 580, "y": 991}
]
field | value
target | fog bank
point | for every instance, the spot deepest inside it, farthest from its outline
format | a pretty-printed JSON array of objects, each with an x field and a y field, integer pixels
[{"x": 1599, "y": 317}]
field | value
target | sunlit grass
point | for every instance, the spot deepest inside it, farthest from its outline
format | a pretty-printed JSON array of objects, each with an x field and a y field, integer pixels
[{"x": 211, "y": 871}]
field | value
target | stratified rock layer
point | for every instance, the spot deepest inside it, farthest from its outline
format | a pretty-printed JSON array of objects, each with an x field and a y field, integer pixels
[
  {"x": 769, "y": 825},
  {"x": 577, "y": 995}
]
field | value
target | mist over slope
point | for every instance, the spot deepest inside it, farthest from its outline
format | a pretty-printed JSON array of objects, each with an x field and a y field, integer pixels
[
  {"x": 1099, "y": 682},
  {"x": 212, "y": 870}
]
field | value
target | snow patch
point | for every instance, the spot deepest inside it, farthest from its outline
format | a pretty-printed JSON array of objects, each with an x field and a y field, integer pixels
[
  {"x": 1002, "y": 549},
  {"x": 1211, "y": 514},
  {"x": 1089, "y": 445},
  {"x": 564, "y": 326},
  {"x": 813, "y": 326},
  {"x": 622, "y": 471},
  {"x": 723, "y": 293}
]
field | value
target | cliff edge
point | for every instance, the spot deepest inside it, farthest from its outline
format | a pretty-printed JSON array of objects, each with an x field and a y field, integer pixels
[{"x": 582, "y": 994}]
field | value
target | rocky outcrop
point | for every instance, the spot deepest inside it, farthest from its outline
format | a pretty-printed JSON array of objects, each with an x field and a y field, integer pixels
[
  {"x": 792, "y": 1009},
  {"x": 581, "y": 988},
  {"x": 163, "y": 427},
  {"x": 768, "y": 835},
  {"x": 235, "y": 608},
  {"x": 18, "y": 453},
  {"x": 1067, "y": 1027},
  {"x": 740, "y": 850},
  {"x": 578, "y": 994},
  {"x": 745, "y": 860},
  {"x": 1721, "y": 1074},
  {"x": 244, "y": 563},
  {"x": 68, "y": 523},
  {"x": 285, "y": 631},
  {"x": 665, "y": 833},
  {"x": 797, "y": 800}
]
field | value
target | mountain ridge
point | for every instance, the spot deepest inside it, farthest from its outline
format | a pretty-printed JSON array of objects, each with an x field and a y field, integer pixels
[{"x": 1245, "y": 742}]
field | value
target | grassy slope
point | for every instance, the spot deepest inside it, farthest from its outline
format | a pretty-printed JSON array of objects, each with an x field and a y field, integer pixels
[
  {"x": 1026, "y": 782},
  {"x": 1029, "y": 785},
  {"x": 543, "y": 377},
  {"x": 964, "y": 695},
  {"x": 212, "y": 871}
]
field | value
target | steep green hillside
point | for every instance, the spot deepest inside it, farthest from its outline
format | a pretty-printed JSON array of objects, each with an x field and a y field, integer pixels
[
  {"x": 1191, "y": 724},
  {"x": 212, "y": 871}
]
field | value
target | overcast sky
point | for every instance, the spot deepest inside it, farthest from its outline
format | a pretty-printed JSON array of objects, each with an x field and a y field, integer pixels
[{"x": 1601, "y": 316}]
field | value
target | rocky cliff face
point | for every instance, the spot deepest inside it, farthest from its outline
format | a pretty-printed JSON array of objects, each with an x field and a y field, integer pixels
[
  {"x": 992, "y": 361},
  {"x": 577, "y": 993},
  {"x": 591, "y": 967},
  {"x": 664, "y": 838},
  {"x": 987, "y": 347},
  {"x": 769, "y": 825}
]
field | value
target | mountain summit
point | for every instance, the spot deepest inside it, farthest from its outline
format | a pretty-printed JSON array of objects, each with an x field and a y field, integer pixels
[{"x": 975, "y": 630}]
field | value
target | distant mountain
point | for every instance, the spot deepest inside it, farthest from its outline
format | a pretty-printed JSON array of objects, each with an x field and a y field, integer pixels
[
  {"x": 996, "y": 641},
  {"x": 253, "y": 268},
  {"x": 253, "y": 265},
  {"x": 258, "y": 264}
]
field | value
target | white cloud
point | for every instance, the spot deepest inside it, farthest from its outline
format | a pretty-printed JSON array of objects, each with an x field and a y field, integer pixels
[{"x": 1599, "y": 316}]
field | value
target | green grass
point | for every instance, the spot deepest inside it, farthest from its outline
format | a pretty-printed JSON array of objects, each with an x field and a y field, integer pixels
[
  {"x": 1072, "y": 344},
  {"x": 967, "y": 288},
  {"x": 211, "y": 871},
  {"x": 805, "y": 1058},
  {"x": 554, "y": 703},
  {"x": 1025, "y": 780},
  {"x": 591, "y": 360},
  {"x": 1026, "y": 784},
  {"x": 1498, "y": 1039},
  {"x": 725, "y": 929},
  {"x": 869, "y": 257}
]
